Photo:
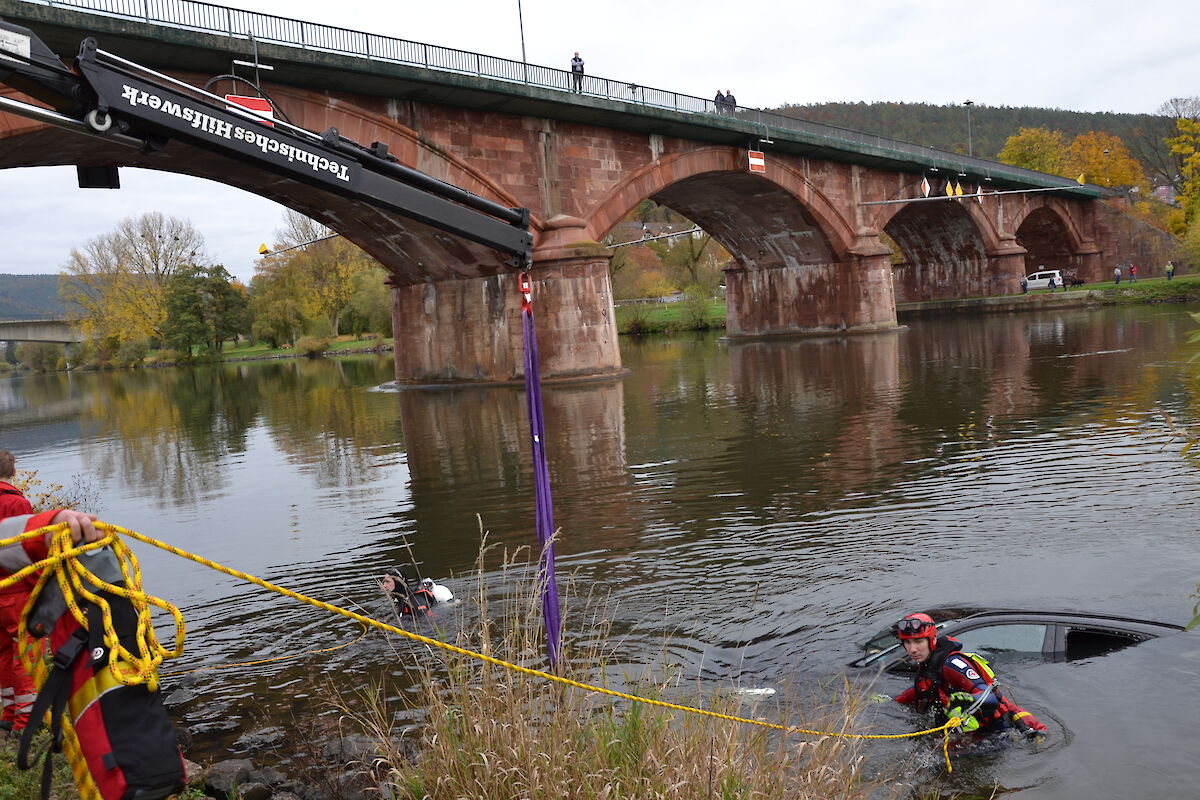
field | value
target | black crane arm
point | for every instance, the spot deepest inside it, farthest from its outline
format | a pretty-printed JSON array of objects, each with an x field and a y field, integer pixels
[{"x": 108, "y": 96}]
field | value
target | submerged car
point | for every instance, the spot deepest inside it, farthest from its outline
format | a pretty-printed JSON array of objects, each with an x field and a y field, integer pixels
[{"x": 1011, "y": 635}]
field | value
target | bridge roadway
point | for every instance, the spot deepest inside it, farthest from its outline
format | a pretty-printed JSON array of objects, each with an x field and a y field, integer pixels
[{"x": 813, "y": 248}]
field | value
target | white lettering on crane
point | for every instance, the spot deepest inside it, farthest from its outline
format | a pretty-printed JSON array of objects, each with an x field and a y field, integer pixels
[{"x": 219, "y": 128}]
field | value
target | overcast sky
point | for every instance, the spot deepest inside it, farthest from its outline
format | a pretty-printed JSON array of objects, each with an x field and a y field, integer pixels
[{"x": 1100, "y": 55}]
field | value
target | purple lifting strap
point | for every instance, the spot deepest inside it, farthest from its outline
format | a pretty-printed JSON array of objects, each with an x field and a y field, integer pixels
[{"x": 541, "y": 477}]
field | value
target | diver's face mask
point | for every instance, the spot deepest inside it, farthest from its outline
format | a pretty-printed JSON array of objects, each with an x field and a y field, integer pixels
[{"x": 909, "y": 628}]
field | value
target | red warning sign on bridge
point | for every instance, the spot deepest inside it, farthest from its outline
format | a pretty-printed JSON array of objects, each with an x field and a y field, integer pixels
[
  {"x": 259, "y": 104},
  {"x": 758, "y": 162}
]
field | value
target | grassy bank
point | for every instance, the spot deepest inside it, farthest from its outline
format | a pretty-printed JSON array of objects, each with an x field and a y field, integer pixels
[
  {"x": 687, "y": 315},
  {"x": 1183, "y": 289},
  {"x": 710, "y": 315},
  {"x": 337, "y": 346},
  {"x": 486, "y": 731}
]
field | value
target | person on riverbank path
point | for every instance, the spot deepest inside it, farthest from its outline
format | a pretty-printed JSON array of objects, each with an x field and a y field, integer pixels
[
  {"x": 951, "y": 680},
  {"x": 1133, "y": 273},
  {"x": 17, "y": 691},
  {"x": 1117, "y": 275},
  {"x": 1170, "y": 270},
  {"x": 577, "y": 73}
]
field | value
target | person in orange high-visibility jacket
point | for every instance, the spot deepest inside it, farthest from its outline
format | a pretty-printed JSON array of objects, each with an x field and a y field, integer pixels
[
  {"x": 13, "y": 558},
  {"x": 16, "y": 687}
]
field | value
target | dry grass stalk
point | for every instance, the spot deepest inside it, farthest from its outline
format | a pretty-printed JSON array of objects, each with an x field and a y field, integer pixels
[{"x": 493, "y": 733}]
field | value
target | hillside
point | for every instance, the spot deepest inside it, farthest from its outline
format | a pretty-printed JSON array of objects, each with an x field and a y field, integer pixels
[
  {"x": 29, "y": 297},
  {"x": 945, "y": 127}
]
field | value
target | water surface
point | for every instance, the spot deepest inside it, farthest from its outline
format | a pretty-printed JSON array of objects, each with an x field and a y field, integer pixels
[{"x": 763, "y": 505}]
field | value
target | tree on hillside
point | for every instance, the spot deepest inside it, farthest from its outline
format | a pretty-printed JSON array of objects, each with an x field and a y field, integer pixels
[
  {"x": 116, "y": 283},
  {"x": 1035, "y": 148},
  {"x": 1102, "y": 159},
  {"x": 1148, "y": 140},
  {"x": 204, "y": 308}
]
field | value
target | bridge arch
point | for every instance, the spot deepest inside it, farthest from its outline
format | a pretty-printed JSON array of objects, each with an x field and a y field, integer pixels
[
  {"x": 1047, "y": 231},
  {"x": 943, "y": 250},
  {"x": 767, "y": 220},
  {"x": 980, "y": 218}
]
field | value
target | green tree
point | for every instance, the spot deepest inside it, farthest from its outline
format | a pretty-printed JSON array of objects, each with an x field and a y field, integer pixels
[
  {"x": 371, "y": 303},
  {"x": 204, "y": 309},
  {"x": 1035, "y": 148},
  {"x": 276, "y": 305},
  {"x": 691, "y": 261},
  {"x": 116, "y": 284},
  {"x": 39, "y": 356}
]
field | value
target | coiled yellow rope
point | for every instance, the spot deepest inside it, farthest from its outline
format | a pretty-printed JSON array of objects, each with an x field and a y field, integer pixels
[{"x": 63, "y": 562}]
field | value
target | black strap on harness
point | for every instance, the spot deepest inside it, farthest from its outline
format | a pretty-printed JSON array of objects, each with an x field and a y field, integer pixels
[{"x": 52, "y": 697}]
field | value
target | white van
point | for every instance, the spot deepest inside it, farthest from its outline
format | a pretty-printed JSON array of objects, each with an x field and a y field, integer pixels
[{"x": 1041, "y": 280}]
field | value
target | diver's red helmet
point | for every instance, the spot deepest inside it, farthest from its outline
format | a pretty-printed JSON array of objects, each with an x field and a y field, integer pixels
[{"x": 915, "y": 626}]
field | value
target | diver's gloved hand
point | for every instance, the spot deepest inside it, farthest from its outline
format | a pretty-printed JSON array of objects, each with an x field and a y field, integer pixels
[
  {"x": 880, "y": 698},
  {"x": 968, "y": 723},
  {"x": 957, "y": 705}
]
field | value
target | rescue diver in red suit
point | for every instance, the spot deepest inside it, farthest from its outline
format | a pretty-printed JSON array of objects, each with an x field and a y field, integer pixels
[
  {"x": 19, "y": 555},
  {"x": 948, "y": 677},
  {"x": 17, "y": 691}
]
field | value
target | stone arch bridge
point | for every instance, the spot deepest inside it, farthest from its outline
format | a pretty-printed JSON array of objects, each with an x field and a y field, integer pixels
[{"x": 815, "y": 246}]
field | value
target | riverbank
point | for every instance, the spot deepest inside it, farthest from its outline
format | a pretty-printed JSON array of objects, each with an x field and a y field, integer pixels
[{"x": 670, "y": 318}]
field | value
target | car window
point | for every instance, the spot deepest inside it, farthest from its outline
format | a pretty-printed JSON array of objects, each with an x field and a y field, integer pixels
[
  {"x": 1003, "y": 640},
  {"x": 1088, "y": 642}
]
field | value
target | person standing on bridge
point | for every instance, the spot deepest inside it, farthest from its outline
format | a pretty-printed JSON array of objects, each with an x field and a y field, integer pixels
[
  {"x": 17, "y": 691},
  {"x": 577, "y": 73},
  {"x": 719, "y": 102},
  {"x": 730, "y": 102}
]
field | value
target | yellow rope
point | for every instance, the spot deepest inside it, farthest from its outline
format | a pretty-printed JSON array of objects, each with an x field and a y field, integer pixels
[{"x": 61, "y": 552}]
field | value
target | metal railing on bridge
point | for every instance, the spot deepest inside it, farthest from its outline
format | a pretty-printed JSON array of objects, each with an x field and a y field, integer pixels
[{"x": 268, "y": 28}]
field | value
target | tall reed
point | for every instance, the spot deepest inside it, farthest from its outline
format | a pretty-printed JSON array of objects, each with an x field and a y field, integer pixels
[{"x": 489, "y": 732}]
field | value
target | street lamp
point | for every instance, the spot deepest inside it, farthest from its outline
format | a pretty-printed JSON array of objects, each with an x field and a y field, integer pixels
[
  {"x": 1107, "y": 182},
  {"x": 521, "y": 23},
  {"x": 970, "y": 149}
]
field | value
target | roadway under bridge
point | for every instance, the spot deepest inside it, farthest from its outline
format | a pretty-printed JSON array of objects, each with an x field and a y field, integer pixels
[{"x": 812, "y": 235}]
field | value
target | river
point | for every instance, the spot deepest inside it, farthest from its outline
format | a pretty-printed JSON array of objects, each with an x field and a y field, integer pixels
[{"x": 763, "y": 505}]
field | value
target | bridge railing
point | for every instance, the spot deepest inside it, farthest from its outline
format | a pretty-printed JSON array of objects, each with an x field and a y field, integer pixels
[{"x": 209, "y": 18}]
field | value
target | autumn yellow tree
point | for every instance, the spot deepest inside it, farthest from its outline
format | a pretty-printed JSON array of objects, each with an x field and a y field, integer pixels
[
  {"x": 1035, "y": 148},
  {"x": 1102, "y": 159},
  {"x": 116, "y": 283},
  {"x": 1187, "y": 146},
  {"x": 326, "y": 267}
]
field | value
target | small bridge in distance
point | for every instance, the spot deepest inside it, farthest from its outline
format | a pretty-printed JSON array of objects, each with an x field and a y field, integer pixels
[{"x": 39, "y": 330}]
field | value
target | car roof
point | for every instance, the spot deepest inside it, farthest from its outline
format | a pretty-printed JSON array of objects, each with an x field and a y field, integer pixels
[
  {"x": 956, "y": 619},
  {"x": 1064, "y": 618}
]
